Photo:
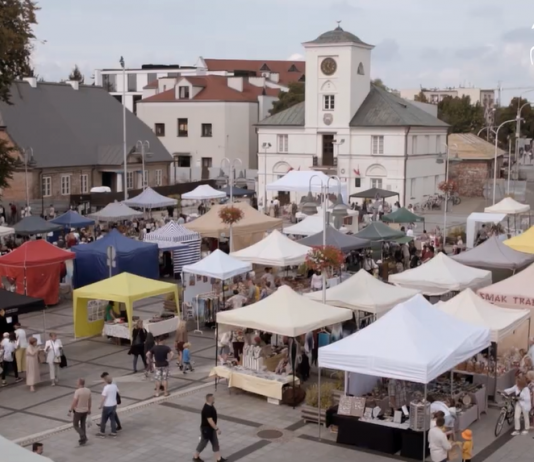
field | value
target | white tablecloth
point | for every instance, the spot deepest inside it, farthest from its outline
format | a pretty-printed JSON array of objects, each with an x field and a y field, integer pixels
[{"x": 156, "y": 328}]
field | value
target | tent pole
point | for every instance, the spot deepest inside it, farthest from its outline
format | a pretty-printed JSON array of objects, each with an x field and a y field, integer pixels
[
  {"x": 216, "y": 348},
  {"x": 293, "y": 361},
  {"x": 424, "y": 425},
  {"x": 452, "y": 381},
  {"x": 319, "y": 400},
  {"x": 528, "y": 333}
]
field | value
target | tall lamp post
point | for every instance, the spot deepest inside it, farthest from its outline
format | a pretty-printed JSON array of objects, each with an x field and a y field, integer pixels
[
  {"x": 447, "y": 160},
  {"x": 231, "y": 181},
  {"x": 28, "y": 158},
  {"x": 125, "y": 150},
  {"x": 265, "y": 147},
  {"x": 142, "y": 148},
  {"x": 495, "y": 156}
]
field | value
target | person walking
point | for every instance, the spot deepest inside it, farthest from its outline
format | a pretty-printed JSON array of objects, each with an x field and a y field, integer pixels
[
  {"x": 522, "y": 405},
  {"x": 161, "y": 354},
  {"x": 180, "y": 340},
  {"x": 209, "y": 430},
  {"x": 108, "y": 404},
  {"x": 438, "y": 443},
  {"x": 139, "y": 334},
  {"x": 149, "y": 344},
  {"x": 187, "y": 358},
  {"x": 22, "y": 344},
  {"x": 33, "y": 371},
  {"x": 53, "y": 349},
  {"x": 81, "y": 408},
  {"x": 9, "y": 346}
]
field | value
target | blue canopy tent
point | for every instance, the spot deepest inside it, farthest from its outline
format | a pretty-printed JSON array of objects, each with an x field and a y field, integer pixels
[
  {"x": 72, "y": 219},
  {"x": 135, "y": 257}
]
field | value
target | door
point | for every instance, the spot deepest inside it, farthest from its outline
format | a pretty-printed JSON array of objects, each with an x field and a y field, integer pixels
[
  {"x": 206, "y": 165},
  {"x": 283, "y": 197},
  {"x": 328, "y": 151}
]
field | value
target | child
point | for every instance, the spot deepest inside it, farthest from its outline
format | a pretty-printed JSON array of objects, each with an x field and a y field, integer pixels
[
  {"x": 467, "y": 446},
  {"x": 186, "y": 358}
]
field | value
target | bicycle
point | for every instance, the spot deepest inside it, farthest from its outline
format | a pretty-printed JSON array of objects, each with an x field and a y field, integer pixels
[{"x": 507, "y": 412}]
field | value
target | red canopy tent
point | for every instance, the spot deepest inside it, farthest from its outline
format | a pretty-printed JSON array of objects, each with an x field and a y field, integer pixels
[{"x": 36, "y": 266}]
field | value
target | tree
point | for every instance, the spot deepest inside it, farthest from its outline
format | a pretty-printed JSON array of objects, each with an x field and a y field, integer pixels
[
  {"x": 460, "y": 114},
  {"x": 379, "y": 83},
  {"x": 421, "y": 97},
  {"x": 294, "y": 95},
  {"x": 76, "y": 75},
  {"x": 17, "y": 18},
  {"x": 8, "y": 163},
  {"x": 509, "y": 112}
]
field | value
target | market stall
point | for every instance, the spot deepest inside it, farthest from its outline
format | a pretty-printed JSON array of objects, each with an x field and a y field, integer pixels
[
  {"x": 308, "y": 180},
  {"x": 337, "y": 239},
  {"x": 523, "y": 242},
  {"x": 374, "y": 193},
  {"x": 72, "y": 219},
  {"x": 15, "y": 304},
  {"x": 116, "y": 211},
  {"x": 378, "y": 231},
  {"x": 275, "y": 250},
  {"x": 402, "y": 215},
  {"x": 237, "y": 192},
  {"x": 441, "y": 275},
  {"x": 307, "y": 227},
  {"x": 204, "y": 192},
  {"x": 29, "y": 226},
  {"x": 124, "y": 288},
  {"x": 475, "y": 220},
  {"x": 419, "y": 349},
  {"x": 136, "y": 257},
  {"x": 363, "y": 292},
  {"x": 247, "y": 231},
  {"x": 285, "y": 313},
  {"x": 150, "y": 199},
  {"x": 5, "y": 231},
  {"x": 36, "y": 267},
  {"x": 508, "y": 206},
  {"x": 184, "y": 244}
]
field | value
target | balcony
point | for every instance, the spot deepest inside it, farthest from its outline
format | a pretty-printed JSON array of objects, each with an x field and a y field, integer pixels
[{"x": 328, "y": 163}]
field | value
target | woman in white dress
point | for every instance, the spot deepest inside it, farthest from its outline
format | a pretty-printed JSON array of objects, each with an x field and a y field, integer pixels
[{"x": 53, "y": 350}]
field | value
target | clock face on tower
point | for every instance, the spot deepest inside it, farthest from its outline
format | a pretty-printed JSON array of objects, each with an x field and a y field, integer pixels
[{"x": 328, "y": 66}]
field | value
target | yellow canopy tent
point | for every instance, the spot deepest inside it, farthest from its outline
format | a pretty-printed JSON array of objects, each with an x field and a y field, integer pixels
[
  {"x": 522, "y": 243},
  {"x": 124, "y": 288}
]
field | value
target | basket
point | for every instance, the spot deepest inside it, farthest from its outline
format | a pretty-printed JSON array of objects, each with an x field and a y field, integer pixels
[{"x": 461, "y": 366}]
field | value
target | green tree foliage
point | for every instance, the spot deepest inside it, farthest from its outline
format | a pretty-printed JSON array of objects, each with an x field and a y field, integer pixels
[
  {"x": 17, "y": 17},
  {"x": 286, "y": 99},
  {"x": 379, "y": 83},
  {"x": 460, "y": 114},
  {"x": 510, "y": 112},
  {"x": 421, "y": 97},
  {"x": 76, "y": 75}
]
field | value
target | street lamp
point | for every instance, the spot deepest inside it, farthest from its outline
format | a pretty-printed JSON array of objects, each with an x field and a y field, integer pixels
[
  {"x": 28, "y": 158},
  {"x": 518, "y": 120},
  {"x": 265, "y": 147},
  {"x": 142, "y": 148},
  {"x": 486, "y": 128},
  {"x": 231, "y": 181},
  {"x": 125, "y": 150},
  {"x": 439, "y": 160}
]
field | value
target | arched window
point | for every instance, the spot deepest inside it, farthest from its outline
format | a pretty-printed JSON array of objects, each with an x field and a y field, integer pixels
[
  {"x": 361, "y": 71},
  {"x": 280, "y": 169},
  {"x": 376, "y": 174}
]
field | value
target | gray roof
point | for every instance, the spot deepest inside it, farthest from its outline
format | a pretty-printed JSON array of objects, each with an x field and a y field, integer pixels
[
  {"x": 67, "y": 127},
  {"x": 379, "y": 109},
  {"x": 338, "y": 35}
]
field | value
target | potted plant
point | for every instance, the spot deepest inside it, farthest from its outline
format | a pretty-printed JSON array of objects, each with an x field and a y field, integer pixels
[
  {"x": 448, "y": 188},
  {"x": 309, "y": 410},
  {"x": 230, "y": 215},
  {"x": 324, "y": 258}
]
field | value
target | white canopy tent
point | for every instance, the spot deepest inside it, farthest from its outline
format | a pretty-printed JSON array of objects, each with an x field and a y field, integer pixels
[
  {"x": 308, "y": 227},
  {"x": 285, "y": 312},
  {"x": 115, "y": 211},
  {"x": 412, "y": 342},
  {"x": 470, "y": 308},
  {"x": 508, "y": 206},
  {"x": 204, "y": 192},
  {"x": 441, "y": 275},
  {"x": 275, "y": 250},
  {"x": 5, "y": 231},
  {"x": 11, "y": 451},
  {"x": 218, "y": 265},
  {"x": 299, "y": 181},
  {"x": 473, "y": 219},
  {"x": 150, "y": 199},
  {"x": 365, "y": 293}
]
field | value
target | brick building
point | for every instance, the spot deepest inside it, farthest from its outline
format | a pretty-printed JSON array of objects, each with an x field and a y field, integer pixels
[
  {"x": 73, "y": 139},
  {"x": 474, "y": 168}
]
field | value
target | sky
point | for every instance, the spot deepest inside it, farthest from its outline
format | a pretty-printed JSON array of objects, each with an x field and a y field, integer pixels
[{"x": 418, "y": 43}]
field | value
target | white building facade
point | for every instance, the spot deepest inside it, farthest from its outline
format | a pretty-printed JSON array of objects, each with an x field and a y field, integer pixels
[{"x": 347, "y": 127}]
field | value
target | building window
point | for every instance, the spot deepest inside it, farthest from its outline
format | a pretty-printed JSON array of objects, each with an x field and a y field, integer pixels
[
  {"x": 151, "y": 77},
  {"x": 84, "y": 183},
  {"x": 136, "y": 99},
  {"x": 159, "y": 129},
  {"x": 283, "y": 141},
  {"x": 145, "y": 179},
  {"x": 414, "y": 144},
  {"x": 159, "y": 177},
  {"x": 377, "y": 145},
  {"x": 438, "y": 144},
  {"x": 376, "y": 183},
  {"x": 357, "y": 182},
  {"x": 328, "y": 102},
  {"x": 109, "y": 82},
  {"x": 46, "y": 186},
  {"x": 132, "y": 82},
  {"x": 129, "y": 180},
  {"x": 206, "y": 130},
  {"x": 183, "y": 161},
  {"x": 427, "y": 144},
  {"x": 184, "y": 92},
  {"x": 183, "y": 127},
  {"x": 412, "y": 188},
  {"x": 361, "y": 70},
  {"x": 65, "y": 185}
]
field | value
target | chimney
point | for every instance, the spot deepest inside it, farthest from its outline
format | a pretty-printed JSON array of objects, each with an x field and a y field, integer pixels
[
  {"x": 74, "y": 84},
  {"x": 32, "y": 81},
  {"x": 236, "y": 83}
]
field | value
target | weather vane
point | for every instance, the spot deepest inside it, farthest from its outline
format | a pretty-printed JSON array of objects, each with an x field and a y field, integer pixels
[{"x": 339, "y": 24}]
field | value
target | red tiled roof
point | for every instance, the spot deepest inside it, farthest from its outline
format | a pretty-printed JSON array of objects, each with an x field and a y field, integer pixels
[
  {"x": 280, "y": 67},
  {"x": 151, "y": 85},
  {"x": 215, "y": 88}
]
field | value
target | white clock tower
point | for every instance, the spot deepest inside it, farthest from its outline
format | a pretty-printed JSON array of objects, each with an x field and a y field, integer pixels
[{"x": 338, "y": 66}]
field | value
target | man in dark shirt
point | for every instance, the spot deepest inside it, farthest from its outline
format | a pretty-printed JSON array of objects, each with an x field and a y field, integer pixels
[
  {"x": 161, "y": 354},
  {"x": 209, "y": 431}
]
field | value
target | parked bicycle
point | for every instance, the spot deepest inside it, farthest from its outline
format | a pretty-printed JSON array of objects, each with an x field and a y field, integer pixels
[{"x": 507, "y": 412}]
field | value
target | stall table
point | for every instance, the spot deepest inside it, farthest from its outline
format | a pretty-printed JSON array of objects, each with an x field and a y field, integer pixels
[
  {"x": 492, "y": 384},
  {"x": 121, "y": 330},
  {"x": 250, "y": 381}
]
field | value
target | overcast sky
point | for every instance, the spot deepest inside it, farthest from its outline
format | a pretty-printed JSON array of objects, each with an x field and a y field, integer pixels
[{"x": 418, "y": 42}]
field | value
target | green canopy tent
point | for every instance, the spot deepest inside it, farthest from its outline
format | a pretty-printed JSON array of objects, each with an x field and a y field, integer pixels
[
  {"x": 402, "y": 215},
  {"x": 374, "y": 192},
  {"x": 378, "y": 231}
]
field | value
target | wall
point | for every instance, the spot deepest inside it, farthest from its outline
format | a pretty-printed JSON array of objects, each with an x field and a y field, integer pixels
[
  {"x": 232, "y": 129},
  {"x": 471, "y": 176}
]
